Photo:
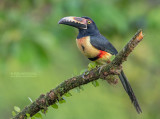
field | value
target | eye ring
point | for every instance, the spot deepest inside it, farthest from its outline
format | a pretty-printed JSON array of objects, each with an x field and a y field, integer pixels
[{"x": 89, "y": 22}]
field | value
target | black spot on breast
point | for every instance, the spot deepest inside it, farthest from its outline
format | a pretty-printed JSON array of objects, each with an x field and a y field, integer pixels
[{"x": 83, "y": 48}]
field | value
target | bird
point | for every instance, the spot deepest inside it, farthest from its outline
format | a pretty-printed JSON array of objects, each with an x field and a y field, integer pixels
[{"x": 97, "y": 48}]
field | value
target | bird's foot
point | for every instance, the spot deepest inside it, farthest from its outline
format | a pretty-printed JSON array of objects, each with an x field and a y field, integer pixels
[{"x": 100, "y": 68}]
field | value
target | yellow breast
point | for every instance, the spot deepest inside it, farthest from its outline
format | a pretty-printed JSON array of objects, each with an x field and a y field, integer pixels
[{"x": 86, "y": 48}]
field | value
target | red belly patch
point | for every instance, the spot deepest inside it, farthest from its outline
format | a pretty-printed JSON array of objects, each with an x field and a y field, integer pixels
[{"x": 103, "y": 54}]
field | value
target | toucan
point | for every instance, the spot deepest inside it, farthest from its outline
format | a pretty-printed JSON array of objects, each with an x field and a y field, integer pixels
[{"x": 97, "y": 48}]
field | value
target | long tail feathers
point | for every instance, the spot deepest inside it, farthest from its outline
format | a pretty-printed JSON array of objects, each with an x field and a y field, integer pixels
[{"x": 129, "y": 91}]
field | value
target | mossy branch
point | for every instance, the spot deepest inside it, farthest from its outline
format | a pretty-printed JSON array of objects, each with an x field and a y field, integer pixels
[{"x": 113, "y": 68}]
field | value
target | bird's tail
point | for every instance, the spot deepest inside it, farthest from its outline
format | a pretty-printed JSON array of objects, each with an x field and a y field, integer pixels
[{"x": 129, "y": 91}]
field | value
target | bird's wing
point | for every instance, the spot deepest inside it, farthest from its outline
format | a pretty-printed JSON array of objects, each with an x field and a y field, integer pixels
[{"x": 101, "y": 43}]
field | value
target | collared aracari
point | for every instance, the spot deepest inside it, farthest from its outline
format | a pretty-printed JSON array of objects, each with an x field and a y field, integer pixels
[{"x": 97, "y": 48}]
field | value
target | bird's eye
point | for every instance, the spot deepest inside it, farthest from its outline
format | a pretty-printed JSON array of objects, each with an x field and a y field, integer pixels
[{"x": 89, "y": 22}]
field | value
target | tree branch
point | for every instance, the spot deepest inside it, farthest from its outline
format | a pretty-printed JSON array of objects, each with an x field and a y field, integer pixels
[{"x": 112, "y": 68}]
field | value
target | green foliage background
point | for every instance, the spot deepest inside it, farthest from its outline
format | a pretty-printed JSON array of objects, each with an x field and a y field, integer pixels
[{"x": 36, "y": 54}]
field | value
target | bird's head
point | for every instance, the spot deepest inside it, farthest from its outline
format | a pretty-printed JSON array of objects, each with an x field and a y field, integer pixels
[{"x": 85, "y": 24}]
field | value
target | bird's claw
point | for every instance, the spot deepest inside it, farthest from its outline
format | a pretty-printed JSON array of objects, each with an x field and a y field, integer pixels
[{"x": 100, "y": 68}]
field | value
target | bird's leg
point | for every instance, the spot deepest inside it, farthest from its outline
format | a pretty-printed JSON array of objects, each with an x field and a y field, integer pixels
[
  {"x": 111, "y": 79},
  {"x": 100, "y": 68},
  {"x": 103, "y": 65}
]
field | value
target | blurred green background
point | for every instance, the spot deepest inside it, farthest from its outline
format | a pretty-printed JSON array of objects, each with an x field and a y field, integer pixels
[{"x": 37, "y": 54}]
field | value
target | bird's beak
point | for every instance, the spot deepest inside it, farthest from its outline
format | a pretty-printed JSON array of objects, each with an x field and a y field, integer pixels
[{"x": 78, "y": 22}]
